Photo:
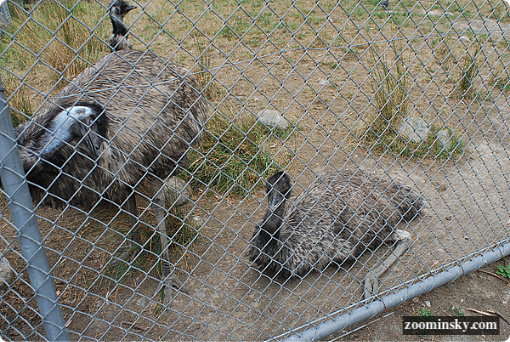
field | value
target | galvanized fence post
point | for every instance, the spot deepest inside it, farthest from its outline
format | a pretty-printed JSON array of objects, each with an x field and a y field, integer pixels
[{"x": 29, "y": 236}]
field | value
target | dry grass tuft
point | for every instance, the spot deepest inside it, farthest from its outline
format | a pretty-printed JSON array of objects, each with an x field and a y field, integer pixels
[{"x": 54, "y": 41}]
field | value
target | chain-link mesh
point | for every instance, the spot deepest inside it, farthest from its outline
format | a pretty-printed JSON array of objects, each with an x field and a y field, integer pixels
[{"x": 213, "y": 98}]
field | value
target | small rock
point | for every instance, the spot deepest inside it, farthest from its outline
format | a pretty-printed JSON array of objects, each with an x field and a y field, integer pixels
[
  {"x": 141, "y": 302},
  {"x": 323, "y": 82},
  {"x": 272, "y": 118},
  {"x": 5, "y": 16},
  {"x": 442, "y": 188},
  {"x": 427, "y": 304},
  {"x": 177, "y": 191},
  {"x": 435, "y": 12},
  {"x": 198, "y": 221},
  {"x": 98, "y": 304},
  {"x": 7, "y": 274},
  {"x": 414, "y": 129},
  {"x": 444, "y": 137},
  {"x": 201, "y": 296}
]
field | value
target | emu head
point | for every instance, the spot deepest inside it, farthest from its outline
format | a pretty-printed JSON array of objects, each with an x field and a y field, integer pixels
[
  {"x": 278, "y": 189},
  {"x": 82, "y": 122},
  {"x": 118, "y": 10}
]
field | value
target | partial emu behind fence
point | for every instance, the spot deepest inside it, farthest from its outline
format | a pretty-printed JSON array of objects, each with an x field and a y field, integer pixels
[{"x": 195, "y": 165}]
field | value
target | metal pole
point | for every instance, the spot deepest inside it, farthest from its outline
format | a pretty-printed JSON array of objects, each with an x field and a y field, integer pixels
[
  {"x": 29, "y": 236},
  {"x": 388, "y": 302}
]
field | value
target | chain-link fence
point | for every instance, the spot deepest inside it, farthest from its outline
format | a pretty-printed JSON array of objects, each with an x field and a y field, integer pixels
[{"x": 148, "y": 166}]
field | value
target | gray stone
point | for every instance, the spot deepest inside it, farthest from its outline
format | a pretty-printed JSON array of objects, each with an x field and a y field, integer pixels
[
  {"x": 417, "y": 130},
  {"x": 141, "y": 302},
  {"x": 177, "y": 191},
  {"x": 414, "y": 129},
  {"x": 272, "y": 118},
  {"x": 5, "y": 16},
  {"x": 445, "y": 138},
  {"x": 7, "y": 274}
]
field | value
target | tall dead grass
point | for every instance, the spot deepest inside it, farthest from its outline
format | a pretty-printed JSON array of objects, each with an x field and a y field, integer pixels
[{"x": 49, "y": 44}]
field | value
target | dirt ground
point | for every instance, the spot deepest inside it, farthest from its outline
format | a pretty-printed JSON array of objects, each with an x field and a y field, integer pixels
[{"x": 230, "y": 299}]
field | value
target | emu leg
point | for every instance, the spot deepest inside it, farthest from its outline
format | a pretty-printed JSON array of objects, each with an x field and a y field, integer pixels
[
  {"x": 403, "y": 239},
  {"x": 169, "y": 278},
  {"x": 134, "y": 231}
]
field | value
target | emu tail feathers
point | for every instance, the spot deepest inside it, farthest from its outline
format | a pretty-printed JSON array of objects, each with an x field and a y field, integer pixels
[{"x": 411, "y": 205}]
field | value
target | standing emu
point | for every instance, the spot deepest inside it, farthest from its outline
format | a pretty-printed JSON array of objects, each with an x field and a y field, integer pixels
[
  {"x": 118, "y": 40},
  {"x": 130, "y": 117},
  {"x": 337, "y": 218}
]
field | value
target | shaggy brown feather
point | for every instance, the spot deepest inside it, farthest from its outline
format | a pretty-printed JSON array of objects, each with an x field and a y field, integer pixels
[
  {"x": 341, "y": 215},
  {"x": 153, "y": 111}
]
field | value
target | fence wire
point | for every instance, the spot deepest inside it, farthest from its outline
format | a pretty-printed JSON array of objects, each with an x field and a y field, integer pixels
[{"x": 151, "y": 167}]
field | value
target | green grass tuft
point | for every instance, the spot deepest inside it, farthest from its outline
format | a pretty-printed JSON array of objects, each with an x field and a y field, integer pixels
[
  {"x": 429, "y": 148},
  {"x": 391, "y": 90},
  {"x": 233, "y": 157},
  {"x": 468, "y": 73},
  {"x": 457, "y": 311},
  {"x": 504, "y": 271},
  {"x": 381, "y": 132},
  {"x": 424, "y": 312},
  {"x": 54, "y": 42}
]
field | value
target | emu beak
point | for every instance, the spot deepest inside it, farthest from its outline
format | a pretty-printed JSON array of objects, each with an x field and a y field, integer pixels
[
  {"x": 275, "y": 200},
  {"x": 130, "y": 7},
  {"x": 90, "y": 137},
  {"x": 86, "y": 128},
  {"x": 93, "y": 140}
]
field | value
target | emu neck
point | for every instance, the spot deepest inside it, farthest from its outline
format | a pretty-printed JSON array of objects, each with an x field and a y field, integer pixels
[
  {"x": 119, "y": 28},
  {"x": 270, "y": 228}
]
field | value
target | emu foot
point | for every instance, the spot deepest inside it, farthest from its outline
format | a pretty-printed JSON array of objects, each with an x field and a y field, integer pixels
[
  {"x": 174, "y": 282},
  {"x": 170, "y": 280},
  {"x": 128, "y": 253},
  {"x": 170, "y": 283},
  {"x": 371, "y": 286}
]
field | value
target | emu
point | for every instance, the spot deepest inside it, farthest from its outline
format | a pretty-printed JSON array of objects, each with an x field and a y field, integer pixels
[
  {"x": 129, "y": 118},
  {"x": 336, "y": 219},
  {"x": 384, "y": 4},
  {"x": 118, "y": 40}
]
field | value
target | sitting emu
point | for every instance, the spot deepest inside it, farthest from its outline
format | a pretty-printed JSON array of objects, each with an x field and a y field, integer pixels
[{"x": 338, "y": 218}]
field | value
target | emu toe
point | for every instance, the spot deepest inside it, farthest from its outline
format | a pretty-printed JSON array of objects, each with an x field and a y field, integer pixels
[
  {"x": 128, "y": 253},
  {"x": 172, "y": 281},
  {"x": 371, "y": 286}
]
